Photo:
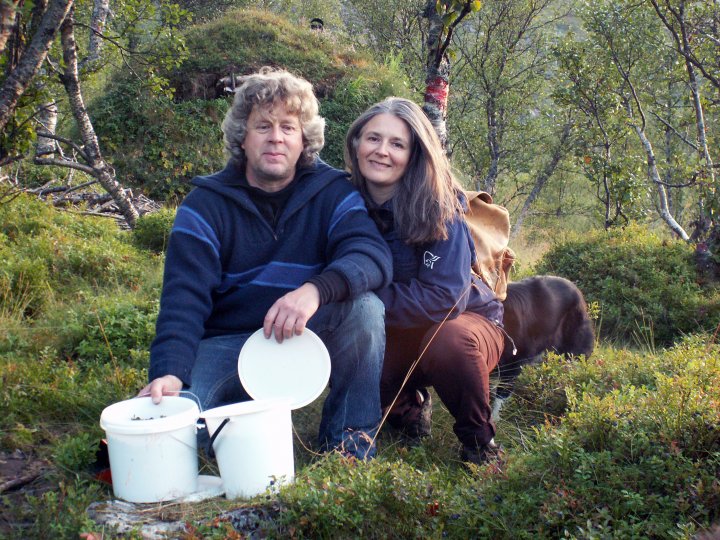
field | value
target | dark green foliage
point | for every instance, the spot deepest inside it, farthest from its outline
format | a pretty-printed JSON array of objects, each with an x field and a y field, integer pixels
[
  {"x": 156, "y": 143},
  {"x": 113, "y": 329},
  {"x": 646, "y": 286},
  {"x": 627, "y": 460},
  {"x": 243, "y": 41},
  {"x": 152, "y": 230},
  {"x": 382, "y": 500},
  {"x": 160, "y": 144}
]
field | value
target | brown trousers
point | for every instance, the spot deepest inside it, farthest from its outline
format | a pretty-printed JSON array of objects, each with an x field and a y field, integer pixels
[{"x": 458, "y": 360}]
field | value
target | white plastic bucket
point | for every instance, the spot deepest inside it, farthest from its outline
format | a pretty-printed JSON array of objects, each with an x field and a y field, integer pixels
[
  {"x": 255, "y": 447},
  {"x": 152, "y": 448}
]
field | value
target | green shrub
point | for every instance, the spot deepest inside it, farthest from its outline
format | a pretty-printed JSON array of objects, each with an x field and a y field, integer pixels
[
  {"x": 60, "y": 513},
  {"x": 112, "y": 328},
  {"x": 53, "y": 394},
  {"x": 626, "y": 461},
  {"x": 153, "y": 230},
  {"x": 45, "y": 252},
  {"x": 23, "y": 283},
  {"x": 646, "y": 286},
  {"x": 75, "y": 453},
  {"x": 341, "y": 497},
  {"x": 159, "y": 144},
  {"x": 156, "y": 143}
]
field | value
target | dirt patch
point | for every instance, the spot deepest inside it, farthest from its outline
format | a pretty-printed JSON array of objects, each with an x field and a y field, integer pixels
[{"x": 21, "y": 474}]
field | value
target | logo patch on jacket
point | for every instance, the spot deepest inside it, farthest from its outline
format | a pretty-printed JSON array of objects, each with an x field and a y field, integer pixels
[{"x": 429, "y": 259}]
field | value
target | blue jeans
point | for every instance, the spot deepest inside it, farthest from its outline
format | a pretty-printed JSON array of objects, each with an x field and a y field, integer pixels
[{"x": 354, "y": 333}]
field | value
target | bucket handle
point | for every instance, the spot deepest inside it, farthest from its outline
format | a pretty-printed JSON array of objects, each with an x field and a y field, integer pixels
[
  {"x": 197, "y": 399},
  {"x": 209, "y": 449}
]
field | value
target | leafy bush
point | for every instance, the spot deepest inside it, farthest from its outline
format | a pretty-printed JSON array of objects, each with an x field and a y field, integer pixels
[
  {"x": 52, "y": 394},
  {"x": 76, "y": 452},
  {"x": 111, "y": 329},
  {"x": 629, "y": 461},
  {"x": 341, "y": 497},
  {"x": 646, "y": 286},
  {"x": 159, "y": 144},
  {"x": 72, "y": 248},
  {"x": 156, "y": 143},
  {"x": 60, "y": 513},
  {"x": 152, "y": 230},
  {"x": 44, "y": 252},
  {"x": 23, "y": 280}
]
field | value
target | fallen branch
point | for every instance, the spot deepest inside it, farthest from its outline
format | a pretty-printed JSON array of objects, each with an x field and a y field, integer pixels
[{"x": 18, "y": 482}]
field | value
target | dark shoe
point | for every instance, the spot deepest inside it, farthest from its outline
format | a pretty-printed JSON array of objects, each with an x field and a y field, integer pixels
[
  {"x": 419, "y": 422},
  {"x": 480, "y": 455}
]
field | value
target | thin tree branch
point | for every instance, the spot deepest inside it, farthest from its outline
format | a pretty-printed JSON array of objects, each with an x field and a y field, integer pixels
[
  {"x": 65, "y": 163},
  {"x": 675, "y": 131},
  {"x": 74, "y": 145}
]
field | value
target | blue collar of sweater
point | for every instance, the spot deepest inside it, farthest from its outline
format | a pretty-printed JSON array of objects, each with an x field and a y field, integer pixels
[{"x": 309, "y": 181}]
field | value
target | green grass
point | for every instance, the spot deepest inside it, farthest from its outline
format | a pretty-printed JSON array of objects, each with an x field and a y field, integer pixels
[
  {"x": 620, "y": 445},
  {"x": 625, "y": 444}
]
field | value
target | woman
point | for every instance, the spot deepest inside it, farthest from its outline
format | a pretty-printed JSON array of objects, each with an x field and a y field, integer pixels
[{"x": 435, "y": 308}]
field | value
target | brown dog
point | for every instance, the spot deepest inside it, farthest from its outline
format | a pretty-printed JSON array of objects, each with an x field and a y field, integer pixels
[{"x": 542, "y": 313}]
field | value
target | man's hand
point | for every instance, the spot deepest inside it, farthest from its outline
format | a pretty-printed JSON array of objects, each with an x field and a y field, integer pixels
[
  {"x": 290, "y": 313},
  {"x": 169, "y": 385}
]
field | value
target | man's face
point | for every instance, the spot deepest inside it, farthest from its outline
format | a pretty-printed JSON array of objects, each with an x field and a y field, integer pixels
[{"x": 273, "y": 144}]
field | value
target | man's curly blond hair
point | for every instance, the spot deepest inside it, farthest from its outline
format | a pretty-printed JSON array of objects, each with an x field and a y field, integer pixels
[{"x": 264, "y": 88}]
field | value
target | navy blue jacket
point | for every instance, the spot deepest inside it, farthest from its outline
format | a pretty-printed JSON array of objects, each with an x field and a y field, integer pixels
[
  {"x": 226, "y": 265},
  {"x": 433, "y": 280}
]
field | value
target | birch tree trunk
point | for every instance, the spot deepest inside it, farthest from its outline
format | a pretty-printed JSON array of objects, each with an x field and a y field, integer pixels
[
  {"x": 542, "y": 179},
  {"x": 17, "y": 82},
  {"x": 101, "y": 10},
  {"x": 494, "y": 137},
  {"x": 437, "y": 66},
  {"x": 677, "y": 24},
  {"x": 437, "y": 74},
  {"x": 47, "y": 118},
  {"x": 653, "y": 174},
  {"x": 8, "y": 9},
  {"x": 101, "y": 170}
]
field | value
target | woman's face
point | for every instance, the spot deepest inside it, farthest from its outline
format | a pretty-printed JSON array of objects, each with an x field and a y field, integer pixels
[{"x": 383, "y": 154}]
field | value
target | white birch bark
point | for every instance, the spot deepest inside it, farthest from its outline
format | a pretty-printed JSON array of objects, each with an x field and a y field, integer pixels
[
  {"x": 653, "y": 174},
  {"x": 101, "y": 170},
  {"x": 19, "y": 79}
]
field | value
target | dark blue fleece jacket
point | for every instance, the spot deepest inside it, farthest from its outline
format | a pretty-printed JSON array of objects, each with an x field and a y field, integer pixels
[
  {"x": 226, "y": 265},
  {"x": 433, "y": 280}
]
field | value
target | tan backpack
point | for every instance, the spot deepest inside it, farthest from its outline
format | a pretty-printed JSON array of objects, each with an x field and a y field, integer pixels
[{"x": 489, "y": 226}]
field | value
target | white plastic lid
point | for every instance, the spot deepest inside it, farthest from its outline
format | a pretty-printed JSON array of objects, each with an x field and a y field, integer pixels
[{"x": 298, "y": 368}]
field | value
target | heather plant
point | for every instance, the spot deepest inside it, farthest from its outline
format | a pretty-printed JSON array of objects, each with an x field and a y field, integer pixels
[
  {"x": 152, "y": 230},
  {"x": 646, "y": 286}
]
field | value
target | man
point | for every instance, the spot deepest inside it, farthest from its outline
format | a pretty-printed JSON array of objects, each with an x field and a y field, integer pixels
[{"x": 278, "y": 240}]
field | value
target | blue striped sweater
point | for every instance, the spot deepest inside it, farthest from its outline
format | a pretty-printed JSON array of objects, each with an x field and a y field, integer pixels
[{"x": 226, "y": 265}]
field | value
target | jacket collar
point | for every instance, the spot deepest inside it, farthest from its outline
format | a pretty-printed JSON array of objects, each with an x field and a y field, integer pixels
[{"x": 309, "y": 182}]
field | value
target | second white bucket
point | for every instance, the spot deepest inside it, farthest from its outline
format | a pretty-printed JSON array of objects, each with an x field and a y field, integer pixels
[{"x": 255, "y": 447}]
